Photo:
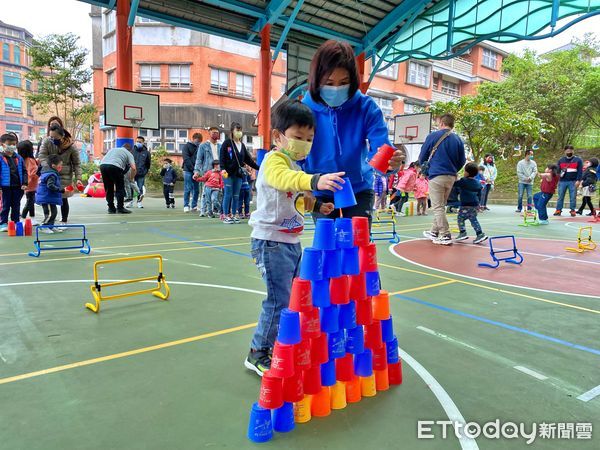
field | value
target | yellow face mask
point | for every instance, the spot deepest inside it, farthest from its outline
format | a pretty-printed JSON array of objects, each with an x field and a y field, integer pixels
[{"x": 296, "y": 149}]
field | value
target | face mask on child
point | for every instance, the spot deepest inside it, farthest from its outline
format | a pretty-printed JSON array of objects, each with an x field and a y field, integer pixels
[
  {"x": 10, "y": 148},
  {"x": 295, "y": 148}
]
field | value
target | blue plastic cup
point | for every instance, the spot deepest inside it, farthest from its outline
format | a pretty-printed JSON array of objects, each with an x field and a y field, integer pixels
[
  {"x": 392, "y": 351},
  {"x": 283, "y": 418},
  {"x": 344, "y": 198},
  {"x": 350, "y": 264},
  {"x": 337, "y": 344},
  {"x": 372, "y": 283},
  {"x": 260, "y": 155},
  {"x": 387, "y": 330},
  {"x": 330, "y": 319},
  {"x": 19, "y": 228},
  {"x": 260, "y": 426},
  {"x": 363, "y": 364},
  {"x": 355, "y": 340},
  {"x": 324, "y": 234},
  {"x": 343, "y": 233},
  {"x": 289, "y": 327},
  {"x": 320, "y": 293},
  {"x": 311, "y": 267},
  {"x": 332, "y": 263},
  {"x": 348, "y": 315},
  {"x": 328, "y": 373}
]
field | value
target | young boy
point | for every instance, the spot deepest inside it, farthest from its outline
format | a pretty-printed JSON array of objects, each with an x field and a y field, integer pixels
[
  {"x": 213, "y": 185},
  {"x": 244, "y": 203},
  {"x": 13, "y": 180},
  {"x": 169, "y": 178},
  {"x": 469, "y": 191},
  {"x": 550, "y": 179},
  {"x": 49, "y": 193},
  {"x": 279, "y": 219}
]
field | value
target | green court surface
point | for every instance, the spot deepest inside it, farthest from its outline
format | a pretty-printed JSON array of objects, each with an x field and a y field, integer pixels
[{"x": 151, "y": 374}]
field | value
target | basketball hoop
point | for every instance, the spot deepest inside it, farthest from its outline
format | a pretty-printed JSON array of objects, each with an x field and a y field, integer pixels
[{"x": 136, "y": 123}]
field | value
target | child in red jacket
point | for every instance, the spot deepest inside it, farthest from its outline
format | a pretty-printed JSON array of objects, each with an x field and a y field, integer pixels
[{"x": 213, "y": 185}]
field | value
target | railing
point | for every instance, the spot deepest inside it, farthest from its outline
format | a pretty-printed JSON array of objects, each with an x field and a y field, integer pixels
[
  {"x": 232, "y": 93},
  {"x": 155, "y": 86},
  {"x": 439, "y": 96},
  {"x": 457, "y": 64}
]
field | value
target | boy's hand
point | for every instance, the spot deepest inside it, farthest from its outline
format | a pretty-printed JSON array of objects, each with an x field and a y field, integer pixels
[
  {"x": 196, "y": 176},
  {"x": 24, "y": 188},
  {"x": 331, "y": 182},
  {"x": 326, "y": 208}
]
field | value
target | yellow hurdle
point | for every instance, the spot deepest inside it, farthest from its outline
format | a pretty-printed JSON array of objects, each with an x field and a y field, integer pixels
[
  {"x": 583, "y": 243},
  {"x": 97, "y": 287}
]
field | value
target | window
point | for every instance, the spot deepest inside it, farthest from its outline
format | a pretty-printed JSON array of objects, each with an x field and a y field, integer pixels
[
  {"x": 418, "y": 74},
  {"x": 243, "y": 85},
  {"x": 411, "y": 108},
  {"x": 146, "y": 20},
  {"x": 448, "y": 87},
  {"x": 149, "y": 75},
  {"x": 385, "y": 104},
  {"x": 13, "y": 105},
  {"x": 179, "y": 76},
  {"x": 30, "y": 131},
  {"x": 389, "y": 72},
  {"x": 490, "y": 58},
  {"x": 17, "y": 54},
  {"x": 28, "y": 85},
  {"x": 6, "y": 52},
  {"x": 29, "y": 110},
  {"x": 109, "y": 22},
  {"x": 110, "y": 79},
  {"x": 219, "y": 80},
  {"x": 169, "y": 134},
  {"x": 173, "y": 143},
  {"x": 182, "y": 134},
  {"x": 110, "y": 139},
  {"x": 14, "y": 128},
  {"x": 109, "y": 44},
  {"x": 12, "y": 79}
]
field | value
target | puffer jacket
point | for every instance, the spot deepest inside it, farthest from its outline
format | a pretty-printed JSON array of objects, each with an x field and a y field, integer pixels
[{"x": 70, "y": 158}]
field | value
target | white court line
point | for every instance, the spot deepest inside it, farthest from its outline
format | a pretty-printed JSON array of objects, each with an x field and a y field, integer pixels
[
  {"x": 577, "y": 227},
  {"x": 530, "y": 372},
  {"x": 446, "y": 338},
  {"x": 441, "y": 395},
  {"x": 589, "y": 395}
]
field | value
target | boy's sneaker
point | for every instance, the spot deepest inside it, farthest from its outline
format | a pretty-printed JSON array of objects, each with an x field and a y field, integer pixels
[
  {"x": 236, "y": 219},
  {"x": 557, "y": 212},
  {"x": 4, "y": 228},
  {"x": 443, "y": 240},
  {"x": 46, "y": 230},
  {"x": 186, "y": 209},
  {"x": 129, "y": 204},
  {"x": 195, "y": 209},
  {"x": 259, "y": 361},
  {"x": 543, "y": 222},
  {"x": 228, "y": 220},
  {"x": 140, "y": 205},
  {"x": 203, "y": 215},
  {"x": 430, "y": 235},
  {"x": 61, "y": 227},
  {"x": 573, "y": 213},
  {"x": 480, "y": 238},
  {"x": 209, "y": 215},
  {"x": 461, "y": 236}
]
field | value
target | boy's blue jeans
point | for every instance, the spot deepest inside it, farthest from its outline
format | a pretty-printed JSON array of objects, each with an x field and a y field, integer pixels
[
  {"x": 525, "y": 188},
  {"x": 232, "y": 195},
  {"x": 468, "y": 213},
  {"x": 540, "y": 201},
  {"x": 562, "y": 190},
  {"x": 190, "y": 187},
  {"x": 244, "y": 203},
  {"x": 278, "y": 264},
  {"x": 210, "y": 200}
]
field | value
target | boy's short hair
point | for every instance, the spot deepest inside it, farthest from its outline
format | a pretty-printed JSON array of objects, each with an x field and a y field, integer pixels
[
  {"x": 167, "y": 160},
  {"x": 481, "y": 168},
  {"x": 196, "y": 136},
  {"x": 216, "y": 163},
  {"x": 448, "y": 120},
  {"x": 54, "y": 160},
  {"x": 8, "y": 137},
  {"x": 213, "y": 128},
  {"x": 290, "y": 113},
  {"x": 471, "y": 169},
  {"x": 141, "y": 138},
  {"x": 25, "y": 149}
]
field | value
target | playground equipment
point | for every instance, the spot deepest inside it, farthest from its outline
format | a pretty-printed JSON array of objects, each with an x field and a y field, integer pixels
[
  {"x": 584, "y": 242},
  {"x": 20, "y": 228},
  {"x": 530, "y": 218},
  {"x": 387, "y": 211},
  {"x": 97, "y": 287},
  {"x": 514, "y": 258},
  {"x": 378, "y": 234},
  {"x": 84, "y": 246}
]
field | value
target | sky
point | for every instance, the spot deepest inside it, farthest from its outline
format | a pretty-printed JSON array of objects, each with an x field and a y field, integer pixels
[{"x": 73, "y": 16}]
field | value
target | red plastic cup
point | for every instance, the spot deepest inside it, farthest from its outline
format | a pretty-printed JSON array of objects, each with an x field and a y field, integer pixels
[
  {"x": 319, "y": 350},
  {"x": 12, "y": 226},
  {"x": 395, "y": 373},
  {"x": 360, "y": 229},
  {"x": 367, "y": 257},
  {"x": 344, "y": 368},
  {"x": 373, "y": 338},
  {"x": 302, "y": 355},
  {"x": 310, "y": 326},
  {"x": 300, "y": 298},
  {"x": 358, "y": 287},
  {"x": 28, "y": 227},
  {"x": 364, "y": 312},
  {"x": 381, "y": 306},
  {"x": 293, "y": 388},
  {"x": 282, "y": 361},
  {"x": 312, "y": 380},
  {"x": 339, "y": 290},
  {"x": 69, "y": 188},
  {"x": 381, "y": 160},
  {"x": 271, "y": 391},
  {"x": 80, "y": 186},
  {"x": 380, "y": 358}
]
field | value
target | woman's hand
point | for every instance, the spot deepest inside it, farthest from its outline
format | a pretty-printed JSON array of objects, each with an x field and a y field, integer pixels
[
  {"x": 326, "y": 208},
  {"x": 397, "y": 158},
  {"x": 331, "y": 182}
]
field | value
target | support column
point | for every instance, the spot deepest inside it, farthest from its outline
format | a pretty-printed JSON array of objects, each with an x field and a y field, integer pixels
[
  {"x": 264, "y": 119},
  {"x": 364, "y": 79},
  {"x": 124, "y": 63}
]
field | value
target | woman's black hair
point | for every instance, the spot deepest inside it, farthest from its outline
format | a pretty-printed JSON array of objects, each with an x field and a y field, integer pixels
[
  {"x": 487, "y": 156},
  {"x": 25, "y": 149},
  {"x": 593, "y": 162},
  {"x": 553, "y": 168},
  {"x": 58, "y": 129},
  {"x": 234, "y": 126},
  {"x": 290, "y": 113}
]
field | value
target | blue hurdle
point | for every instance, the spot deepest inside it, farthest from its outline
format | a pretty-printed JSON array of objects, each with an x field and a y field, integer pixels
[
  {"x": 514, "y": 258},
  {"x": 384, "y": 235},
  {"x": 84, "y": 247}
]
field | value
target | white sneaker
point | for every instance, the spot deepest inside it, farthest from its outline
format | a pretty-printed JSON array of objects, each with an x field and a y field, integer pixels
[
  {"x": 195, "y": 209},
  {"x": 46, "y": 230},
  {"x": 129, "y": 204},
  {"x": 61, "y": 227},
  {"x": 4, "y": 228},
  {"x": 139, "y": 205},
  {"x": 186, "y": 209},
  {"x": 34, "y": 222},
  {"x": 430, "y": 235}
]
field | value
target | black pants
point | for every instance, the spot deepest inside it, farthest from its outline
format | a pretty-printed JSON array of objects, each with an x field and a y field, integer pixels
[
  {"x": 11, "y": 202},
  {"x": 168, "y": 193},
  {"x": 50, "y": 213},
  {"x": 114, "y": 184},
  {"x": 64, "y": 209},
  {"x": 29, "y": 206},
  {"x": 363, "y": 207},
  {"x": 587, "y": 201}
]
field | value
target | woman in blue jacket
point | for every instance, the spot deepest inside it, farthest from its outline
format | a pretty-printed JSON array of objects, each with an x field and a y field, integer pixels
[{"x": 350, "y": 127}]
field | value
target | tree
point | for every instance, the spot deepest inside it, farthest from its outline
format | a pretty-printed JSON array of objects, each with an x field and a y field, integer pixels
[
  {"x": 58, "y": 67},
  {"x": 490, "y": 126}
]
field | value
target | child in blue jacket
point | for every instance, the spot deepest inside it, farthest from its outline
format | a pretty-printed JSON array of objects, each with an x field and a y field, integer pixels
[
  {"x": 169, "y": 177},
  {"x": 469, "y": 191},
  {"x": 13, "y": 180},
  {"x": 49, "y": 193}
]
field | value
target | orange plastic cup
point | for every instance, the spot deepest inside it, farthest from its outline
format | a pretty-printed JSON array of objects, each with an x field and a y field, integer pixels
[
  {"x": 321, "y": 403},
  {"x": 367, "y": 386},
  {"x": 381, "y": 305},
  {"x": 382, "y": 382},
  {"x": 302, "y": 410},
  {"x": 353, "y": 391}
]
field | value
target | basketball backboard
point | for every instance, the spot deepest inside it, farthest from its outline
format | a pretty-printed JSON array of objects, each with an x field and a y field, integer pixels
[
  {"x": 412, "y": 128},
  {"x": 131, "y": 109}
]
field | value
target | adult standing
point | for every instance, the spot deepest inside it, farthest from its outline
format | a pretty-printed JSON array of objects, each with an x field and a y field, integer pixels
[
  {"x": 571, "y": 173},
  {"x": 345, "y": 120},
  {"x": 143, "y": 161},
  {"x": 113, "y": 167},
  {"x": 490, "y": 172},
  {"x": 190, "y": 185},
  {"x": 207, "y": 153},
  {"x": 445, "y": 152},
  {"x": 54, "y": 120},
  {"x": 526, "y": 173},
  {"x": 59, "y": 142},
  {"x": 232, "y": 157}
]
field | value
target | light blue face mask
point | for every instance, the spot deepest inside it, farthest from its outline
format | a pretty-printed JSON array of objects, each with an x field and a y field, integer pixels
[{"x": 335, "y": 96}]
